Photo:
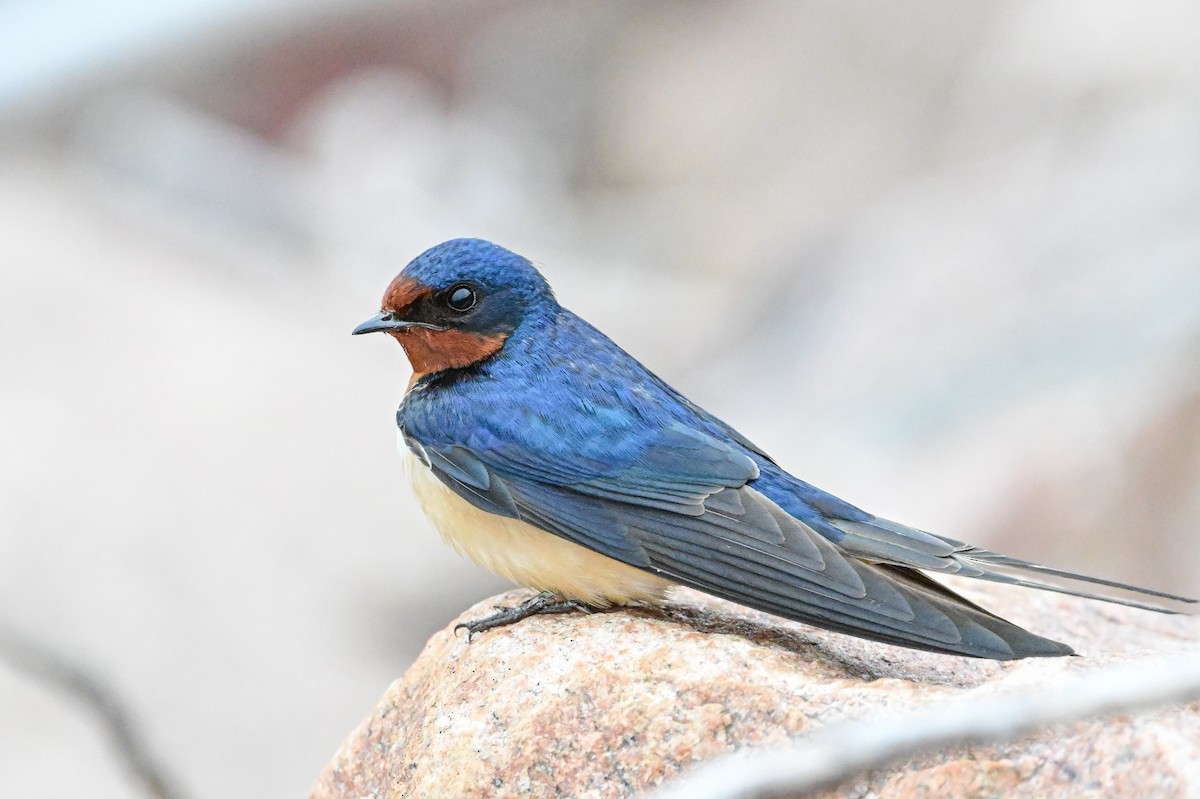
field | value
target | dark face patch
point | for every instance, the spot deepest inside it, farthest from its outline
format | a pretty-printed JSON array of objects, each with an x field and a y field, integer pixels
[{"x": 452, "y": 328}]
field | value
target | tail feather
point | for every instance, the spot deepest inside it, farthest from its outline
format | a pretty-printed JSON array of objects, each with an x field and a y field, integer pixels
[
  {"x": 985, "y": 558},
  {"x": 882, "y": 541}
]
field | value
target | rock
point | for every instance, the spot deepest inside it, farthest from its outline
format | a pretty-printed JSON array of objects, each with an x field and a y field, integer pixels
[{"x": 613, "y": 704}]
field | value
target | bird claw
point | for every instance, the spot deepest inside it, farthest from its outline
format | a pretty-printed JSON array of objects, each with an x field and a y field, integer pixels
[{"x": 545, "y": 602}]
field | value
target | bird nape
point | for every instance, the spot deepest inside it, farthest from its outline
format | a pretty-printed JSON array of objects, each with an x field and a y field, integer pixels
[{"x": 549, "y": 455}]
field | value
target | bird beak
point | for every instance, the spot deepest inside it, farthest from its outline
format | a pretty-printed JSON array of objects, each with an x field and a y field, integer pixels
[
  {"x": 388, "y": 322},
  {"x": 384, "y": 321}
]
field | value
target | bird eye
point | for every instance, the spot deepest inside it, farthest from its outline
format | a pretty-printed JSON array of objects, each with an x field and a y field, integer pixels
[{"x": 461, "y": 298}]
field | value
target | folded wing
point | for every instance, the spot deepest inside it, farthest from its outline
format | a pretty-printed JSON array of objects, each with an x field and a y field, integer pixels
[{"x": 683, "y": 505}]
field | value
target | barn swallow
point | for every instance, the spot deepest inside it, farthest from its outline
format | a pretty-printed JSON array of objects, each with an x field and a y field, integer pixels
[{"x": 550, "y": 456}]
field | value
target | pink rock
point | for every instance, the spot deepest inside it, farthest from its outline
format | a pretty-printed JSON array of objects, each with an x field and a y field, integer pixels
[{"x": 614, "y": 704}]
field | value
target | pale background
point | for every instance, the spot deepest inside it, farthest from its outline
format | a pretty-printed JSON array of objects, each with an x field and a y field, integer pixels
[{"x": 940, "y": 258}]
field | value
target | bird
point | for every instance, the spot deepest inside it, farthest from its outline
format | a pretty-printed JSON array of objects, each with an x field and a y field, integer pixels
[{"x": 548, "y": 455}]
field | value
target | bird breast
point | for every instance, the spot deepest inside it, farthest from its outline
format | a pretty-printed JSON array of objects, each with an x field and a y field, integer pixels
[{"x": 525, "y": 554}]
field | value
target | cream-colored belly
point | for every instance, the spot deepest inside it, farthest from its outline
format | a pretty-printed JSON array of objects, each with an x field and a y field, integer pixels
[{"x": 526, "y": 555}]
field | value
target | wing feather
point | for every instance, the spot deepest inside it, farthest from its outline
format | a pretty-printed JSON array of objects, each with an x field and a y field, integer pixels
[{"x": 683, "y": 507}]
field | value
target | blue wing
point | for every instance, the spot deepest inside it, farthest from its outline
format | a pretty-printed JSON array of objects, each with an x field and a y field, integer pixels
[{"x": 679, "y": 502}]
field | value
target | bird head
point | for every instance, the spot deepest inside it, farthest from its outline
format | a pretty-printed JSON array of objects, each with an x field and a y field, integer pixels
[{"x": 458, "y": 303}]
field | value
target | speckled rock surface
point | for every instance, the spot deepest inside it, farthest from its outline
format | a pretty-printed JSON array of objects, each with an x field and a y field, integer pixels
[{"x": 613, "y": 704}]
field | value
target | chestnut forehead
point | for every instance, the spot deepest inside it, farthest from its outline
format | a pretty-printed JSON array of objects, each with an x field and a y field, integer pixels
[{"x": 403, "y": 292}]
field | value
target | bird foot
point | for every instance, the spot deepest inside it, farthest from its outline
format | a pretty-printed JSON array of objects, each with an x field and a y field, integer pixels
[{"x": 545, "y": 602}]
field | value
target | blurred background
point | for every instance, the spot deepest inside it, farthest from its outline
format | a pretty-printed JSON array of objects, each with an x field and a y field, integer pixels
[{"x": 942, "y": 259}]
